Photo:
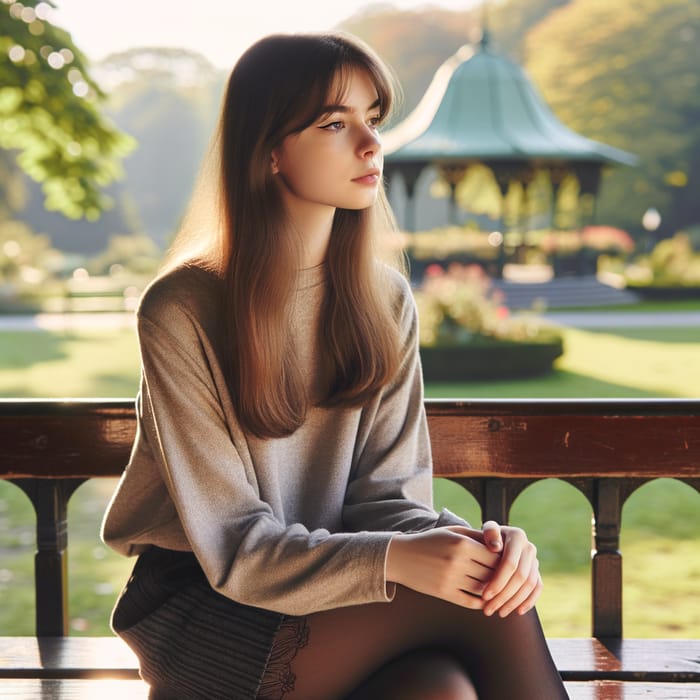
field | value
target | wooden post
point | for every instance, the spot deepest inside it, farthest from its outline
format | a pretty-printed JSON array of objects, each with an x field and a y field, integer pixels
[
  {"x": 50, "y": 500},
  {"x": 607, "y": 559}
]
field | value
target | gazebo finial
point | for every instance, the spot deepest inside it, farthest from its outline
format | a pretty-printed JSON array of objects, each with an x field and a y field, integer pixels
[{"x": 485, "y": 33}]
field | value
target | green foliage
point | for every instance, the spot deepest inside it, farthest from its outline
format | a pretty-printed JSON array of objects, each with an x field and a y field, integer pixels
[
  {"x": 168, "y": 100},
  {"x": 672, "y": 263},
  {"x": 510, "y": 21},
  {"x": 22, "y": 253},
  {"x": 133, "y": 253},
  {"x": 27, "y": 267},
  {"x": 48, "y": 112}
]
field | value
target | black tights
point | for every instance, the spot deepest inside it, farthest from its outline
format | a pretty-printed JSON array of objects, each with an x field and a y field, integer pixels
[{"x": 414, "y": 648}]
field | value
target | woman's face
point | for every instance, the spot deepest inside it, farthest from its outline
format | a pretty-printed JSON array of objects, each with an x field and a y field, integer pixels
[{"x": 337, "y": 161}]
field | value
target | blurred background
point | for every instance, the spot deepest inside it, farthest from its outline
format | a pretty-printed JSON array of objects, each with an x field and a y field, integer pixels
[{"x": 554, "y": 247}]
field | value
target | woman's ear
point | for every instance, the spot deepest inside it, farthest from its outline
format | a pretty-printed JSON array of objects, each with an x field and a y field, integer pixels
[{"x": 274, "y": 162}]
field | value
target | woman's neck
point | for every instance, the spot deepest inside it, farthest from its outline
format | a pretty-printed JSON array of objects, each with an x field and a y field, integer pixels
[{"x": 314, "y": 224}]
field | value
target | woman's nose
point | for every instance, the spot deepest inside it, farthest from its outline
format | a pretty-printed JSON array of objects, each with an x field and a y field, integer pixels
[{"x": 370, "y": 143}]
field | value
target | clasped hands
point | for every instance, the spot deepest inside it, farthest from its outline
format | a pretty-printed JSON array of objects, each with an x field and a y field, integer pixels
[{"x": 494, "y": 569}]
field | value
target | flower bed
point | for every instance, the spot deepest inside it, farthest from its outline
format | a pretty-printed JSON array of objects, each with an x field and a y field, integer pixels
[{"x": 467, "y": 333}]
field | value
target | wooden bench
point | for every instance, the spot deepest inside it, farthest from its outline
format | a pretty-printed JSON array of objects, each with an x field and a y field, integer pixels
[{"x": 494, "y": 449}]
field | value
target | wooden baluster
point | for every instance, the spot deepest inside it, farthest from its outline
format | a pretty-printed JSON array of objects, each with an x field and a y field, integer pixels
[
  {"x": 607, "y": 559},
  {"x": 50, "y": 500},
  {"x": 496, "y": 504}
]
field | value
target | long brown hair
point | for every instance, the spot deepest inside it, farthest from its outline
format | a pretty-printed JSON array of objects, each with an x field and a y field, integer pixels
[{"x": 278, "y": 87}]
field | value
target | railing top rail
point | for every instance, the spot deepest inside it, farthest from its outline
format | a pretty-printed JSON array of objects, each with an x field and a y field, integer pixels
[
  {"x": 524, "y": 438},
  {"x": 529, "y": 406}
]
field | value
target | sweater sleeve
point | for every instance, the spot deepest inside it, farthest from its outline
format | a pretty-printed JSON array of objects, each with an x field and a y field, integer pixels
[
  {"x": 391, "y": 482},
  {"x": 246, "y": 553}
]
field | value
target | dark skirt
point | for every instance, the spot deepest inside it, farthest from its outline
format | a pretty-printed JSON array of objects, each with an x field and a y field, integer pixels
[{"x": 192, "y": 642}]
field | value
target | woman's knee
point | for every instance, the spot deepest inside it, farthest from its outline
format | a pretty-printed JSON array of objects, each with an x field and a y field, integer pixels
[
  {"x": 419, "y": 675},
  {"x": 445, "y": 679}
]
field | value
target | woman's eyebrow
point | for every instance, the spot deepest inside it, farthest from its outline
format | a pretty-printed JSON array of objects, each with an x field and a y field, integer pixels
[{"x": 344, "y": 109}]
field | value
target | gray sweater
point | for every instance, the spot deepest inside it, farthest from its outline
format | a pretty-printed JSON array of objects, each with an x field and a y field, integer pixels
[{"x": 295, "y": 524}]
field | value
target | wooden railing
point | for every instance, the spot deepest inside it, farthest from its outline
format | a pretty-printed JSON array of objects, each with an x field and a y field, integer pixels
[{"x": 494, "y": 449}]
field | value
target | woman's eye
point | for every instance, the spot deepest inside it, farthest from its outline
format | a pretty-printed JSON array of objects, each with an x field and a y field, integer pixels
[
  {"x": 375, "y": 121},
  {"x": 333, "y": 126}
]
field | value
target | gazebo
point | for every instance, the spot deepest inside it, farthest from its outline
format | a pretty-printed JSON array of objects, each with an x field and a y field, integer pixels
[{"x": 482, "y": 108}]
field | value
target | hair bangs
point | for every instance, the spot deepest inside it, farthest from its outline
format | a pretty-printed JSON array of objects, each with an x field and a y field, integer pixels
[{"x": 339, "y": 57}]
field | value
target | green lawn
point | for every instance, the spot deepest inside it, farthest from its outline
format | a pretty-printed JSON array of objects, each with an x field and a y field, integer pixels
[{"x": 661, "y": 522}]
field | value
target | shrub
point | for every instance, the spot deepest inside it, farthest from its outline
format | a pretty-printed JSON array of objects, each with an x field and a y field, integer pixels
[{"x": 458, "y": 306}]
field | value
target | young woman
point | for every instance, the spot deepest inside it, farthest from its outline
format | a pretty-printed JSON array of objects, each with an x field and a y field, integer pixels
[{"x": 279, "y": 490}]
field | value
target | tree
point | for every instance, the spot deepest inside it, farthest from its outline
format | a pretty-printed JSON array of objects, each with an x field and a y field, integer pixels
[
  {"x": 168, "y": 101},
  {"x": 626, "y": 73},
  {"x": 49, "y": 112},
  {"x": 414, "y": 43},
  {"x": 510, "y": 21}
]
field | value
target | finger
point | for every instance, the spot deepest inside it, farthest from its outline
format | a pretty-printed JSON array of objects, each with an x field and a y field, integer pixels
[
  {"x": 473, "y": 585},
  {"x": 473, "y": 534},
  {"x": 467, "y": 600},
  {"x": 532, "y": 583},
  {"x": 493, "y": 538},
  {"x": 519, "y": 576},
  {"x": 482, "y": 568},
  {"x": 531, "y": 600},
  {"x": 514, "y": 550}
]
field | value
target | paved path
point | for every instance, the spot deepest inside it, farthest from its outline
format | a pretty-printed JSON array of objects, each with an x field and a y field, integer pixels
[
  {"x": 575, "y": 319},
  {"x": 625, "y": 319},
  {"x": 66, "y": 322}
]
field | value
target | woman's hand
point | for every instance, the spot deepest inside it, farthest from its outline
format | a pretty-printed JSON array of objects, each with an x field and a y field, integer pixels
[
  {"x": 516, "y": 583},
  {"x": 444, "y": 563},
  {"x": 494, "y": 569}
]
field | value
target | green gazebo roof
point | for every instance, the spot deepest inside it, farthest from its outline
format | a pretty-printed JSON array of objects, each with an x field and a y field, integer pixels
[{"x": 481, "y": 106}]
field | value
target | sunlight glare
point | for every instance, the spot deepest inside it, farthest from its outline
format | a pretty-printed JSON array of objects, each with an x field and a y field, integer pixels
[
  {"x": 81, "y": 89},
  {"x": 55, "y": 60},
  {"x": 16, "y": 53},
  {"x": 27, "y": 15}
]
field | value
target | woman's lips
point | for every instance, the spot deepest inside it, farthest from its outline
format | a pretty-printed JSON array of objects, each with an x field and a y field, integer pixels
[{"x": 369, "y": 179}]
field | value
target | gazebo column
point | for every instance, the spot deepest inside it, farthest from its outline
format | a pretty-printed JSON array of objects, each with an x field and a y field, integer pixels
[
  {"x": 505, "y": 174},
  {"x": 588, "y": 175},
  {"x": 453, "y": 175},
  {"x": 557, "y": 175},
  {"x": 410, "y": 172},
  {"x": 525, "y": 178}
]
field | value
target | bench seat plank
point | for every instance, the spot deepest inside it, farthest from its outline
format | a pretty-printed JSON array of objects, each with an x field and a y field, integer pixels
[
  {"x": 66, "y": 657},
  {"x": 627, "y": 659},
  {"x": 577, "y": 659},
  {"x": 631, "y": 690},
  {"x": 72, "y": 689},
  {"x": 96, "y": 689}
]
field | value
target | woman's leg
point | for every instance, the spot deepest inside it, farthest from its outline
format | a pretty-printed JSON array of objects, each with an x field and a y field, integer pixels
[
  {"x": 418, "y": 675},
  {"x": 338, "y": 651}
]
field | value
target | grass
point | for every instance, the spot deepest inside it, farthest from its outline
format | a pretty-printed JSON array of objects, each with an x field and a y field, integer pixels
[
  {"x": 627, "y": 363},
  {"x": 661, "y": 530},
  {"x": 68, "y": 364}
]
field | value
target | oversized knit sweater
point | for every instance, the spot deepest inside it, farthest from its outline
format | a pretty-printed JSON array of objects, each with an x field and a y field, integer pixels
[{"x": 295, "y": 524}]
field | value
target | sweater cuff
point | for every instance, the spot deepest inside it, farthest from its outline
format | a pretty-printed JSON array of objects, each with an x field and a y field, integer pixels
[
  {"x": 389, "y": 586},
  {"x": 447, "y": 517}
]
